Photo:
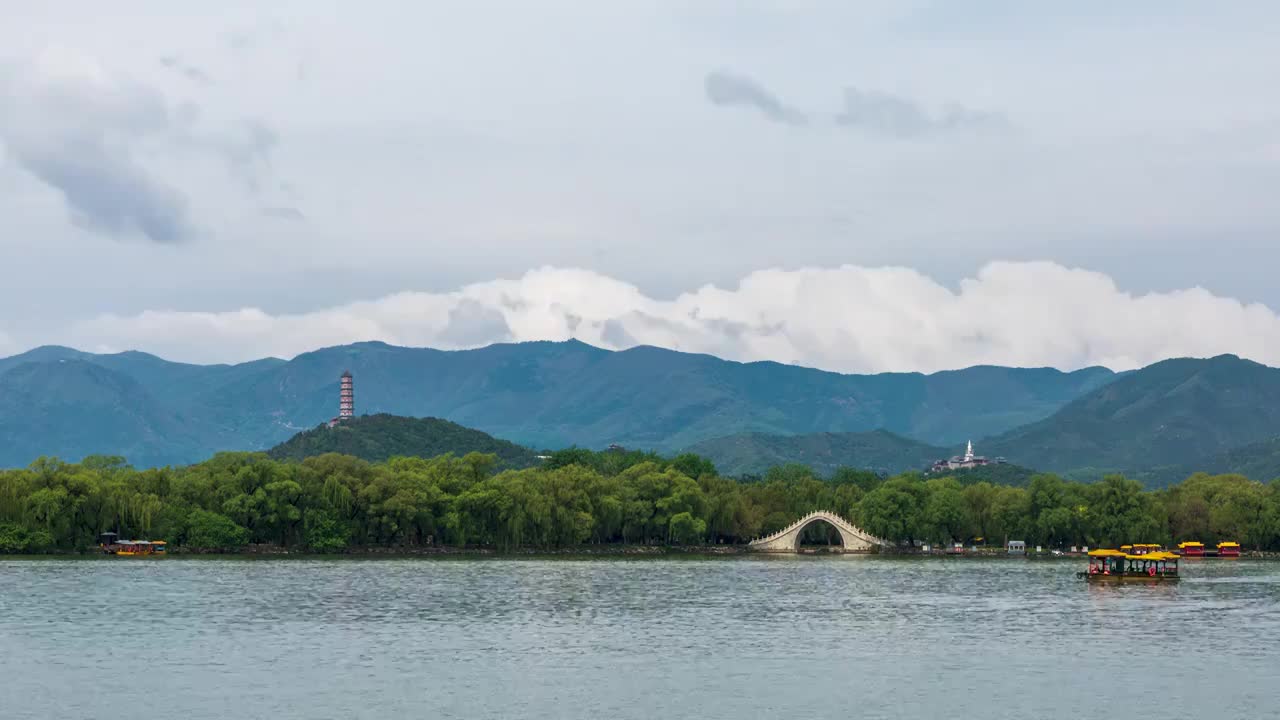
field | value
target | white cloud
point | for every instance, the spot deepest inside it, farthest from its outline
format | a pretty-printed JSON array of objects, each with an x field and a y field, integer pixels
[{"x": 848, "y": 318}]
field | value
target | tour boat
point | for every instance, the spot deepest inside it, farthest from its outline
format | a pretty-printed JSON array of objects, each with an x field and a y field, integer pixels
[
  {"x": 1191, "y": 549},
  {"x": 1228, "y": 550},
  {"x": 131, "y": 548},
  {"x": 1119, "y": 566}
]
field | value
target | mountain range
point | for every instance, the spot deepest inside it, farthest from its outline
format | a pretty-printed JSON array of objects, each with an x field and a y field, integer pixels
[
  {"x": 880, "y": 450},
  {"x": 539, "y": 394},
  {"x": 1181, "y": 412},
  {"x": 1172, "y": 417},
  {"x": 1160, "y": 424}
]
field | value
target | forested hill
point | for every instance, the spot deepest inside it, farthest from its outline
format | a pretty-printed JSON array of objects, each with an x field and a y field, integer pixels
[
  {"x": 376, "y": 438},
  {"x": 1187, "y": 414},
  {"x": 878, "y": 450},
  {"x": 539, "y": 394},
  {"x": 1256, "y": 460},
  {"x": 72, "y": 408}
]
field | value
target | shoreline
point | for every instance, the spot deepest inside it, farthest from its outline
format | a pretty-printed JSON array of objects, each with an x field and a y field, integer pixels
[{"x": 587, "y": 551}]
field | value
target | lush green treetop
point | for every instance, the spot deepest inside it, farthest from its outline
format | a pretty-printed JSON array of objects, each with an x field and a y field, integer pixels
[{"x": 330, "y": 502}]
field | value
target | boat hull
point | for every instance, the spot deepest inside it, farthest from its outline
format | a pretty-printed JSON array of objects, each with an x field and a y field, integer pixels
[{"x": 1127, "y": 577}]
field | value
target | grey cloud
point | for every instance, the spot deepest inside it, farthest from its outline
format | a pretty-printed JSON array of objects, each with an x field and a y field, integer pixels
[
  {"x": 190, "y": 72},
  {"x": 874, "y": 112},
  {"x": 472, "y": 324},
  {"x": 726, "y": 89},
  {"x": 239, "y": 39},
  {"x": 284, "y": 213},
  {"x": 251, "y": 37},
  {"x": 615, "y": 334},
  {"x": 884, "y": 114},
  {"x": 76, "y": 135},
  {"x": 111, "y": 193},
  {"x": 248, "y": 152}
]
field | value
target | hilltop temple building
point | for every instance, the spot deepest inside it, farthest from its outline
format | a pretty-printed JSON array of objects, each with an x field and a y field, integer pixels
[
  {"x": 346, "y": 399},
  {"x": 961, "y": 462}
]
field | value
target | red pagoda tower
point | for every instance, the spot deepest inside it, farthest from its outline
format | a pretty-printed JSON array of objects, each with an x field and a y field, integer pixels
[{"x": 346, "y": 398}]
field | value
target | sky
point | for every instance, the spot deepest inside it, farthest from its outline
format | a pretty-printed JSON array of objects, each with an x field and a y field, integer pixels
[{"x": 861, "y": 187}]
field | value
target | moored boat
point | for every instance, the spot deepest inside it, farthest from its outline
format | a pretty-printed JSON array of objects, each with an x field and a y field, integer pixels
[
  {"x": 1118, "y": 566},
  {"x": 1191, "y": 549},
  {"x": 1228, "y": 549},
  {"x": 112, "y": 545}
]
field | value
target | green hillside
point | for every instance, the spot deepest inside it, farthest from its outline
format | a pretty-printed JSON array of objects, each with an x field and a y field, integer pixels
[
  {"x": 556, "y": 394},
  {"x": 1259, "y": 460},
  {"x": 72, "y": 408},
  {"x": 878, "y": 450},
  {"x": 378, "y": 437},
  {"x": 1170, "y": 414},
  {"x": 753, "y": 454}
]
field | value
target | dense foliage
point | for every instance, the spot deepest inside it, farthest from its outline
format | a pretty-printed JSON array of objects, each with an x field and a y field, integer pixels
[
  {"x": 381, "y": 437},
  {"x": 998, "y": 474},
  {"x": 332, "y": 502}
]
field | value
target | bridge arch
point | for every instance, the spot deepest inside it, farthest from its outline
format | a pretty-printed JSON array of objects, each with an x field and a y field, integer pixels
[
  {"x": 817, "y": 520},
  {"x": 787, "y": 540}
]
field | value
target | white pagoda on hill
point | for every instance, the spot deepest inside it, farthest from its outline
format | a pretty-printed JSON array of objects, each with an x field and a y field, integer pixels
[{"x": 961, "y": 462}]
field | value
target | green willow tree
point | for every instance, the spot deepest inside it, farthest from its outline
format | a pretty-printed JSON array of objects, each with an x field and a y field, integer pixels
[{"x": 578, "y": 497}]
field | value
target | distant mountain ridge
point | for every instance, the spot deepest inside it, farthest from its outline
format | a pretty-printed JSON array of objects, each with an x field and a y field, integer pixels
[
  {"x": 72, "y": 408},
  {"x": 1181, "y": 413},
  {"x": 878, "y": 450},
  {"x": 538, "y": 394}
]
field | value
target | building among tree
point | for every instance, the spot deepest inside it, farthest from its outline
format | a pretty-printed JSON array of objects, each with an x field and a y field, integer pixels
[{"x": 961, "y": 462}]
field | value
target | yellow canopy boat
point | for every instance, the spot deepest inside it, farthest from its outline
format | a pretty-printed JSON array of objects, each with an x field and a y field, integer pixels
[
  {"x": 131, "y": 548},
  {"x": 1117, "y": 566}
]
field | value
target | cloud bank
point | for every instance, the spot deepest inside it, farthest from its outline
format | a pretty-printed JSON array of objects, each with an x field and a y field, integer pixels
[{"x": 848, "y": 319}]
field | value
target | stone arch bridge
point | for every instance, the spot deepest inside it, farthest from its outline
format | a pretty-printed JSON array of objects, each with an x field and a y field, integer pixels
[{"x": 787, "y": 540}]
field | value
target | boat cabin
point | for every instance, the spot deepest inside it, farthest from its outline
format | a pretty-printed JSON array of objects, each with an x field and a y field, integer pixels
[
  {"x": 1228, "y": 549},
  {"x": 1108, "y": 565},
  {"x": 1191, "y": 549}
]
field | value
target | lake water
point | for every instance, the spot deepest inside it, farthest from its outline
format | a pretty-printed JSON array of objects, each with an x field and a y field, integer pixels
[{"x": 830, "y": 637}]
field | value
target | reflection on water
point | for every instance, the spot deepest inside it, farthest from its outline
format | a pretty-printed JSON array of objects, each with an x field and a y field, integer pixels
[{"x": 836, "y": 636}]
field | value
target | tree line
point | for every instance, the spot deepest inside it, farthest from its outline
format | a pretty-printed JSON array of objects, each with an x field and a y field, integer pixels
[{"x": 578, "y": 497}]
